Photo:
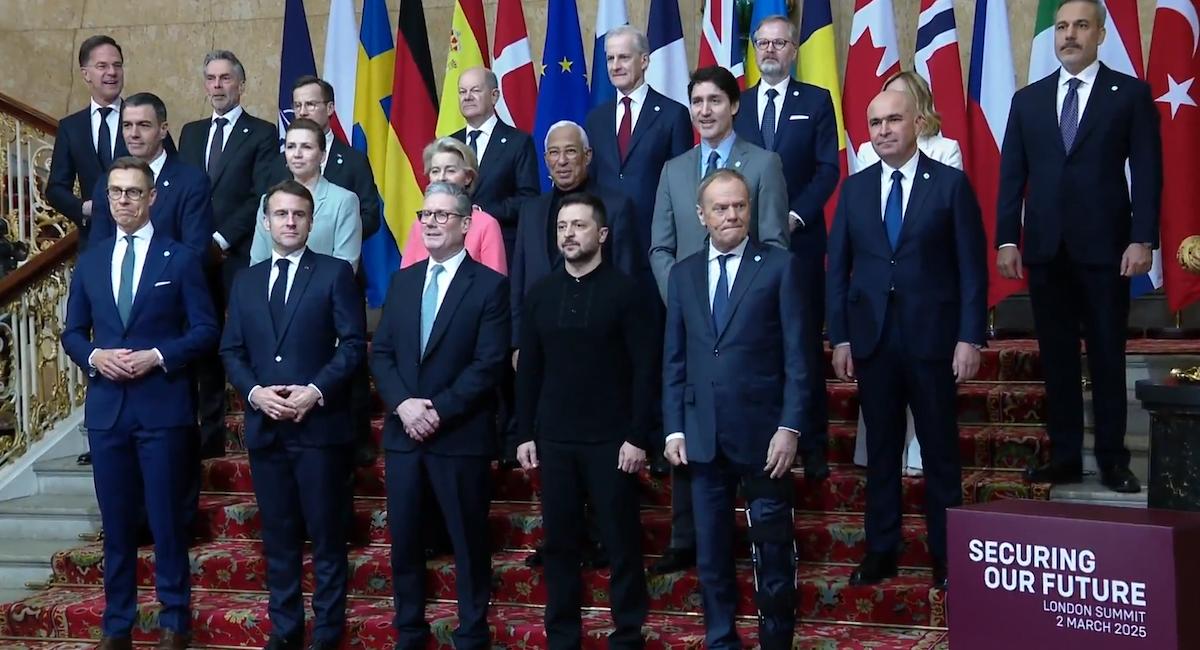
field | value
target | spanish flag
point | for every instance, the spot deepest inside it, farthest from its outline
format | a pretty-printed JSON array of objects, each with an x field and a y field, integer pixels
[
  {"x": 468, "y": 49},
  {"x": 817, "y": 65}
]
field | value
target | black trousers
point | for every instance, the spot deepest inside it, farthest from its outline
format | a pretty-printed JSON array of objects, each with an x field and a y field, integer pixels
[
  {"x": 888, "y": 381},
  {"x": 573, "y": 473},
  {"x": 1069, "y": 297}
]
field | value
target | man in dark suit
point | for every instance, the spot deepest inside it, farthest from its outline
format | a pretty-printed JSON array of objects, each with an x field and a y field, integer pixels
[
  {"x": 294, "y": 335},
  {"x": 508, "y": 170},
  {"x": 89, "y": 140},
  {"x": 735, "y": 396},
  {"x": 138, "y": 314},
  {"x": 796, "y": 121},
  {"x": 438, "y": 357},
  {"x": 183, "y": 208},
  {"x": 1086, "y": 232},
  {"x": 907, "y": 312}
]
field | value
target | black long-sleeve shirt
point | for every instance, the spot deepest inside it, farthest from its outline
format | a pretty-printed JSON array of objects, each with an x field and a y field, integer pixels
[{"x": 589, "y": 360}]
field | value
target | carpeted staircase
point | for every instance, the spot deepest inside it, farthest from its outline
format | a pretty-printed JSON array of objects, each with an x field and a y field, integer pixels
[{"x": 1000, "y": 414}]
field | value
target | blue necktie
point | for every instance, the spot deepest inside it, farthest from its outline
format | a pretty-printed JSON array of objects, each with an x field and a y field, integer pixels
[
  {"x": 125, "y": 289},
  {"x": 473, "y": 140},
  {"x": 720, "y": 304},
  {"x": 1069, "y": 122},
  {"x": 429, "y": 304},
  {"x": 714, "y": 159},
  {"x": 768, "y": 121},
  {"x": 893, "y": 214},
  {"x": 277, "y": 301}
]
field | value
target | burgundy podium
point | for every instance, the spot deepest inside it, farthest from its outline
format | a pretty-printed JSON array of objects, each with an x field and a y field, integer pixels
[{"x": 1035, "y": 574}]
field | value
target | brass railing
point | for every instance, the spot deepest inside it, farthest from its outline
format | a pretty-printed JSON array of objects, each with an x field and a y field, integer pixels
[{"x": 39, "y": 385}]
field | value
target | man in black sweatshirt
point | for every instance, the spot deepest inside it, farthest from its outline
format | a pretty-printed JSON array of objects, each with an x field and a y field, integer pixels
[{"x": 585, "y": 386}]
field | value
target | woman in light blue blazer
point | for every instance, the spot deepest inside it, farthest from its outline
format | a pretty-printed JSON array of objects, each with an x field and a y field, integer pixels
[{"x": 336, "y": 226}]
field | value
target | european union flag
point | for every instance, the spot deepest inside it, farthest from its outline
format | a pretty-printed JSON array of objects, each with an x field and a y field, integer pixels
[{"x": 563, "y": 92}]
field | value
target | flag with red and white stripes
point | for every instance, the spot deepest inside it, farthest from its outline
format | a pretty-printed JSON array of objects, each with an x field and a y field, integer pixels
[
  {"x": 719, "y": 39},
  {"x": 872, "y": 58},
  {"x": 937, "y": 60},
  {"x": 513, "y": 65}
]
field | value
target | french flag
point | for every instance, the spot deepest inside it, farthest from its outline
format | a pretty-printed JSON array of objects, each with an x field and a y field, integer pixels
[
  {"x": 668, "y": 70},
  {"x": 937, "y": 60},
  {"x": 989, "y": 97}
]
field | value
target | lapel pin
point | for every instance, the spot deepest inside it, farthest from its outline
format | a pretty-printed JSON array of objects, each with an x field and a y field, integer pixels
[
  {"x": 245, "y": 130},
  {"x": 166, "y": 253},
  {"x": 795, "y": 93},
  {"x": 503, "y": 140},
  {"x": 166, "y": 183},
  {"x": 340, "y": 160},
  {"x": 925, "y": 176},
  {"x": 1114, "y": 87},
  {"x": 657, "y": 108},
  {"x": 737, "y": 164},
  {"x": 758, "y": 258}
]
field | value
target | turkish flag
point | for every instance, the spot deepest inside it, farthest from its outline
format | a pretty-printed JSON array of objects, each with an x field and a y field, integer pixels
[{"x": 1174, "y": 66}]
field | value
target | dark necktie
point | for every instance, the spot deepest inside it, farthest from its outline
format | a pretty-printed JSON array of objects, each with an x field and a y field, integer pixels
[
  {"x": 125, "y": 288},
  {"x": 104, "y": 139},
  {"x": 768, "y": 121},
  {"x": 713, "y": 165},
  {"x": 217, "y": 146},
  {"x": 473, "y": 141},
  {"x": 625, "y": 131},
  {"x": 278, "y": 299},
  {"x": 893, "y": 214},
  {"x": 720, "y": 305},
  {"x": 1069, "y": 122}
]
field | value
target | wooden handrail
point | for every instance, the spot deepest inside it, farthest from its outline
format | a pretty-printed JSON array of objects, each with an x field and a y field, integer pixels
[
  {"x": 29, "y": 114},
  {"x": 39, "y": 265}
]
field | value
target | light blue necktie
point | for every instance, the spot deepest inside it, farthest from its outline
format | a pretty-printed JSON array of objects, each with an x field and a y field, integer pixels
[
  {"x": 429, "y": 304},
  {"x": 1069, "y": 122},
  {"x": 125, "y": 289},
  {"x": 893, "y": 214}
]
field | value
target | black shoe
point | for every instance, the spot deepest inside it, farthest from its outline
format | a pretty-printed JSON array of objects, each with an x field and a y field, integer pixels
[
  {"x": 874, "y": 568},
  {"x": 535, "y": 560},
  {"x": 1118, "y": 478},
  {"x": 816, "y": 468},
  {"x": 84, "y": 459},
  {"x": 940, "y": 573},
  {"x": 675, "y": 559},
  {"x": 1056, "y": 473},
  {"x": 284, "y": 643}
]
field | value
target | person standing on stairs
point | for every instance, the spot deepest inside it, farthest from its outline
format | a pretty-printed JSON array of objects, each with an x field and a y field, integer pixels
[
  {"x": 907, "y": 291},
  {"x": 294, "y": 334},
  {"x": 138, "y": 315},
  {"x": 585, "y": 411},
  {"x": 1086, "y": 229},
  {"x": 735, "y": 399},
  {"x": 438, "y": 357}
]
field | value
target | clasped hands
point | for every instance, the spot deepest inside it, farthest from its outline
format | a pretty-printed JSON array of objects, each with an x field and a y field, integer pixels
[
  {"x": 419, "y": 418},
  {"x": 286, "y": 402},
  {"x": 123, "y": 364}
]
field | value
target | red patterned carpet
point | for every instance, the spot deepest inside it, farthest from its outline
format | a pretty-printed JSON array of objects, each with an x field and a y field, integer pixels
[{"x": 1000, "y": 415}]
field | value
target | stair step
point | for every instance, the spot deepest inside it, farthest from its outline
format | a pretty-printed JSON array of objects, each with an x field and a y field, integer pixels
[
  {"x": 64, "y": 476},
  {"x": 1091, "y": 492},
  {"x": 28, "y": 561},
  {"x": 49, "y": 517}
]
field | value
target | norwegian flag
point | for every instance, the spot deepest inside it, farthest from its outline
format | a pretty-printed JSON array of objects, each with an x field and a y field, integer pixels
[
  {"x": 513, "y": 65},
  {"x": 719, "y": 39},
  {"x": 872, "y": 58},
  {"x": 1174, "y": 66},
  {"x": 938, "y": 62}
]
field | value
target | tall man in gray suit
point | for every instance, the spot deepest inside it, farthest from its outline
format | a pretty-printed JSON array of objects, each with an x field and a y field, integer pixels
[{"x": 676, "y": 233}]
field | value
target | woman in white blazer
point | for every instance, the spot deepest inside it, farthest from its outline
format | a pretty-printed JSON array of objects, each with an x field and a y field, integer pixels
[
  {"x": 946, "y": 151},
  {"x": 336, "y": 226}
]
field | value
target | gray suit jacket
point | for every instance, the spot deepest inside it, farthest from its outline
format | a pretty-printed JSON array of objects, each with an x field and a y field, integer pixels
[
  {"x": 676, "y": 231},
  {"x": 336, "y": 229}
]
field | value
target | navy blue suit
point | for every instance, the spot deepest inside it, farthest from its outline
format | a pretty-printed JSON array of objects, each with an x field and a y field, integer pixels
[
  {"x": 75, "y": 158},
  {"x": 728, "y": 392},
  {"x": 903, "y": 312},
  {"x": 508, "y": 176},
  {"x": 182, "y": 210},
  {"x": 460, "y": 370},
  {"x": 138, "y": 430},
  {"x": 1074, "y": 214},
  {"x": 300, "y": 468},
  {"x": 806, "y": 141}
]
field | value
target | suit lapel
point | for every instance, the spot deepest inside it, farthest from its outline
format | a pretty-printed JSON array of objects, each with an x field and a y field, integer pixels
[
  {"x": 700, "y": 286},
  {"x": 104, "y": 281},
  {"x": 791, "y": 106},
  {"x": 454, "y": 295},
  {"x": 157, "y": 257},
  {"x": 737, "y": 155},
  {"x": 748, "y": 112},
  {"x": 608, "y": 116},
  {"x": 874, "y": 211},
  {"x": 1049, "y": 96},
  {"x": 320, "y": 195},
  {"x": 303, "y": 274},
  {"x": 1096, "y": 107},
  {"x": 747, "y": 271},
  {"x": 645, "y": 122},
  {"x": 920, "y": 189},
  {"x": 239, "y": 134},
  {"x": 495, "y": 146}
]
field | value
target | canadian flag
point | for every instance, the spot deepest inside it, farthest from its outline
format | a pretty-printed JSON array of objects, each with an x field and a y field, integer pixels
[
  {"x": 513, "y": 65},
  {"x": 937, "y": 60},
  {"x": 719, "y": 44},
  {"x": 872, "y": 58},
  {"x": 1174, "y": 66}
]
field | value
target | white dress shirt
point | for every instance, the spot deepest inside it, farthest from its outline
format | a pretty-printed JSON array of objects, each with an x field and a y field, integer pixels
[
  {"x": 638, "y": 97},
  {"x": 731, "y": 268},
  {"x": 908, "y": 170},
  {"x": 232, "y": 116},
  {"x": 156, "y": 165},
  {"x": 1087, "y": 76},
  {"x": 141, "y": 248},
  {"x": 294, "y": 258},
  {"x": 114, "y": 125},
  {"x": 329, "y": 138},
  {"x": 485, "y": 136},
  {"x": 449, "y": 269},
  {"x": 781, "y": 88}
]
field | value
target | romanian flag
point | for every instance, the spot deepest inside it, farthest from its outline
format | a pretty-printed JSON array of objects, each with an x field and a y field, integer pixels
[
  {"x": 816, "y": 64},
  {"x": 468, "y": 49},
  {"x": 766, "y": 9}
]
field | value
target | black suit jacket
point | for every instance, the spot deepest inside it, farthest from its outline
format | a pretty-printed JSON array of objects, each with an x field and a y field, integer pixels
[
  {"x": 463, "y": 363},
  {"x": 508, "y": 175},
  {"x": 321, "y": 341},
  {"x": 1080, "y": 198},
  {"x": 241, "y": 178},
  {"x": 75, "y": 158}
]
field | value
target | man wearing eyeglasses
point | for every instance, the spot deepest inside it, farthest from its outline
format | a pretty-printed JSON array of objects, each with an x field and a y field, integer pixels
[
  {"x": 796, "y": 121},
  {"x": 438, "y": 356}
]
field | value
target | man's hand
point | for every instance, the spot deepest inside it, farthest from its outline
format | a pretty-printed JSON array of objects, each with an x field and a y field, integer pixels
[
  {"x": 515, "y": 356},
  {"x": 676, "y": 452},
  {"x": 966, "y": 362},
  {"x": 843, "y": 364},
  {"x": 1136, "y": 260},
  {"x": 302, "y": 399},
  {"x": 527, "y": 455},
  {"x": 87, "y": 208},
  {"x": 273, "y": 401},
  {"x": 113, "y": 364},
  {"x": 141, "y": 362},
  {"x": 1008, "y": 262},
  {"x": 631, "y": 458},
  {"x": 781, "y": 453},
  {"x": 419, "y": 418}
]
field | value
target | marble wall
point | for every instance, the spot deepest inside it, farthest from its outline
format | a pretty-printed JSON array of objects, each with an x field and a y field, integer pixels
[{"x": 165, "y": 42}]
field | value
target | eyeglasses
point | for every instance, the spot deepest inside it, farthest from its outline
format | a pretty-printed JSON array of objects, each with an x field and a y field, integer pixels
[
  {"x": 131, "y": 193},
  {"x": 771, "y": 43},
  {"x": 308, "y": 106},
  {"x": 438, "y": 216},
  {"x": 570, "y": 153}
]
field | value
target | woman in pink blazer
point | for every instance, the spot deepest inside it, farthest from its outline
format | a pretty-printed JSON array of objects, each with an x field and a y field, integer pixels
[{"x": 450, "y": 161}]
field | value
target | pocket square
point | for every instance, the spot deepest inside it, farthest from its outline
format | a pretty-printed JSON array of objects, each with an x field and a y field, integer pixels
[
  {"x": 798, "y": 117},
  {"x": 162, "y": 284}
]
